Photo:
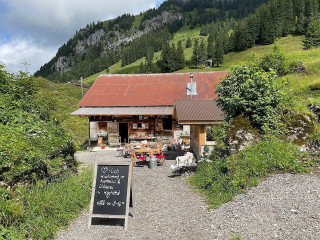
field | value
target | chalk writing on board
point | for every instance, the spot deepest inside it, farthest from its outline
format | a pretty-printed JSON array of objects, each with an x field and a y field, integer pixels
[{"x": 111, "y": 190}]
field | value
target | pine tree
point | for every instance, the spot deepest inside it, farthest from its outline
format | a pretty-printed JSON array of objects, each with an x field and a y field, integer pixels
[
  {"x": 195, "y": 53},
  {"x": 277, "y": 13},
  {"x": 232, "y": 42},
  {"x": 309, "y": 8},
  {"x": 180, "y": 56},
  {"x": 165, "y": 58},
  {"x": 189, "y": 43},
  {"x": 149, "y": 64},
  {"x": 173, "y": 58},
  {"x": 312, "y": 38},
  {"x": 253, "y": 30},
  {"x": 218, "y": 51},
  {"x": 299, "y": 14},
  {"x": 141, "y": 68},
  {"x": 202, "y": 54},
  {"x": 241, "y": 36},
  {"x": 288, "y": 17},
  {"x": 210, "y": 46},
  {"x": 267, "y": 31},
  {"x": 149, "y": 55},
  {"x": 225, "y": 37}
]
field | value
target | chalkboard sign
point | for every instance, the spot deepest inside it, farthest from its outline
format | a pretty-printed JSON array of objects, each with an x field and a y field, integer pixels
[{"x": 111, "y": 191}]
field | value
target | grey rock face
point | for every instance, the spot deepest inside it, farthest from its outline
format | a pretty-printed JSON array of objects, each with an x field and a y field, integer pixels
[
  {"x": 118, "y": 39},
  {"x": 300, "y": 128},
  {"x": 63, "y": 64},
  {"x": 150, "y": 25},
  {"x": 158, "y": 21},
  {"x": 240, "y": 134},
  {"x": 95, "y": 38}
]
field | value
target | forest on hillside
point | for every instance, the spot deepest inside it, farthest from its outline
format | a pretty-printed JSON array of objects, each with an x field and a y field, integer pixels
[
  {"x": 228, "y": 26},
  {"x": 270, "y": 21}
]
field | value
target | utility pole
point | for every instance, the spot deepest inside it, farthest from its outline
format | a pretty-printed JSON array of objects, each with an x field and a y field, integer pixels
[
  {"x": 81, "y": 87},
  {"x": 25, "y": 63}
]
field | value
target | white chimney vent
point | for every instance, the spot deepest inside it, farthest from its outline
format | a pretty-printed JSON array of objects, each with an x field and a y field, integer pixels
[{"x": 191, "y": 87}]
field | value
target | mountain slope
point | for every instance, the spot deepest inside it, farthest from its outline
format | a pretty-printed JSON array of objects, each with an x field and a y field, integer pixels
[
  {"x": 63, "y": 99},
  {"x": 102, "y": 44}
]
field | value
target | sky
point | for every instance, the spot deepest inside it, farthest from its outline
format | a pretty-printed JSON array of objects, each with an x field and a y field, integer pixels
[{"x": 32, "y": 30}]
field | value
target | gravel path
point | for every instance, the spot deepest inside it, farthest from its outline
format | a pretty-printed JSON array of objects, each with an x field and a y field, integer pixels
[{"x": 284, "y": 206}]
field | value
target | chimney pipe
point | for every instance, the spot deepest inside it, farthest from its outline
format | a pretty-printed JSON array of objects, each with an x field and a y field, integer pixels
[{"x": 191, "y": 85}]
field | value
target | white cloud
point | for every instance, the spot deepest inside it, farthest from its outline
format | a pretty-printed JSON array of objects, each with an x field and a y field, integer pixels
[
  {"x": 57, "y": 18},
  {"x": 16, "y": 51},
  {"x": 38, "y": 27}
]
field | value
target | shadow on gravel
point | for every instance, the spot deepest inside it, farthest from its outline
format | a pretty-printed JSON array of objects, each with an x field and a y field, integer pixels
[
  {"x": 107, "y": 221},
  {"x": 184, "y": 171}
]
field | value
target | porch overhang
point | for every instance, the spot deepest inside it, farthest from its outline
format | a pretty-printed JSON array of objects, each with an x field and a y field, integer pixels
[
  {"x": 199, "y": 122},
  {"x": 123, "y": 111},
  {"x": 197, "y": 112}
]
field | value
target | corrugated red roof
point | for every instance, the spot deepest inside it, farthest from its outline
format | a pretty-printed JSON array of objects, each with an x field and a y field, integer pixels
[
  {"x": 199, "y": 110},
  {"x": 148, "y": 89}
]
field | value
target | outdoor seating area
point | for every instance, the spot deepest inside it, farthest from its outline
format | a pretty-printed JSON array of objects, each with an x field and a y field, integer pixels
[
  {"x": 142, "y": 152},
  {"x": 151, "y": 154}
]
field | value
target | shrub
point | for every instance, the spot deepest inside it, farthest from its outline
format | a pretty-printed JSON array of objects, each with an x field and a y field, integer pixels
[
  {"x": 276, "y": 61},
  {"x": 253, "y": 93},
  {"x": 223, "y": 178},
  {"x": 33, "y": 145}
]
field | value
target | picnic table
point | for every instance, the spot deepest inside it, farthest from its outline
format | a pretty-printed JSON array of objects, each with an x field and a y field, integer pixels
[{"x": 144, "y": 150}]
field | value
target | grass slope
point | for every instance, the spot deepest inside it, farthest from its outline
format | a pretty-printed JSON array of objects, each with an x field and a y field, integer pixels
[
  {"x": 63, "y": 99},
  {"x": 49, "y": 206},
  {"x": 291, "y": 45}
]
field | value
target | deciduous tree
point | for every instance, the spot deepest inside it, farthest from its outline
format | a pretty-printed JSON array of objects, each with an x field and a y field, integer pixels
[{"x": 251, "y": 92}]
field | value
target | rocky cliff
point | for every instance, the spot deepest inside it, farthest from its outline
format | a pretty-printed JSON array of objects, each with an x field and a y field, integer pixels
[{"x": 110, "y": 40}]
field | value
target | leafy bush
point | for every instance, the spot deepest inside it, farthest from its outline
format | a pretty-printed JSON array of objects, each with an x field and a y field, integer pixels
[
  {"x": 253, "y": 93},
  {"x": 276, "y": 61},
  {"x": 223, "y": 178},
  {"x": 33, "y": 145}
]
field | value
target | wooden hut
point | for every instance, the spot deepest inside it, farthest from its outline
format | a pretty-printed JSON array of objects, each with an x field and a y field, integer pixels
[{"x": 140, "y": 107}]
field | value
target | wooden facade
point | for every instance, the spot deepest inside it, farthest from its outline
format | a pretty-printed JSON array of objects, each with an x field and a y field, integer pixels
[{"x": 133, "y": 128}]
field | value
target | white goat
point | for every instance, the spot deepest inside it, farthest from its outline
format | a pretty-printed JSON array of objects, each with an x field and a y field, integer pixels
[{"x": 183, "y": 161}]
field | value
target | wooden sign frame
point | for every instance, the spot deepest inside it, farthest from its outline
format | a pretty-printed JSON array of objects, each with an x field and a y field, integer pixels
[{"x": 129, "y": 198}]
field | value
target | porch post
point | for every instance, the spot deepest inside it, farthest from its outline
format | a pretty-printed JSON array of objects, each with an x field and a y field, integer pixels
[
  {"x": 89, "y": 142},
  {"x": 202, "y": 137}
]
